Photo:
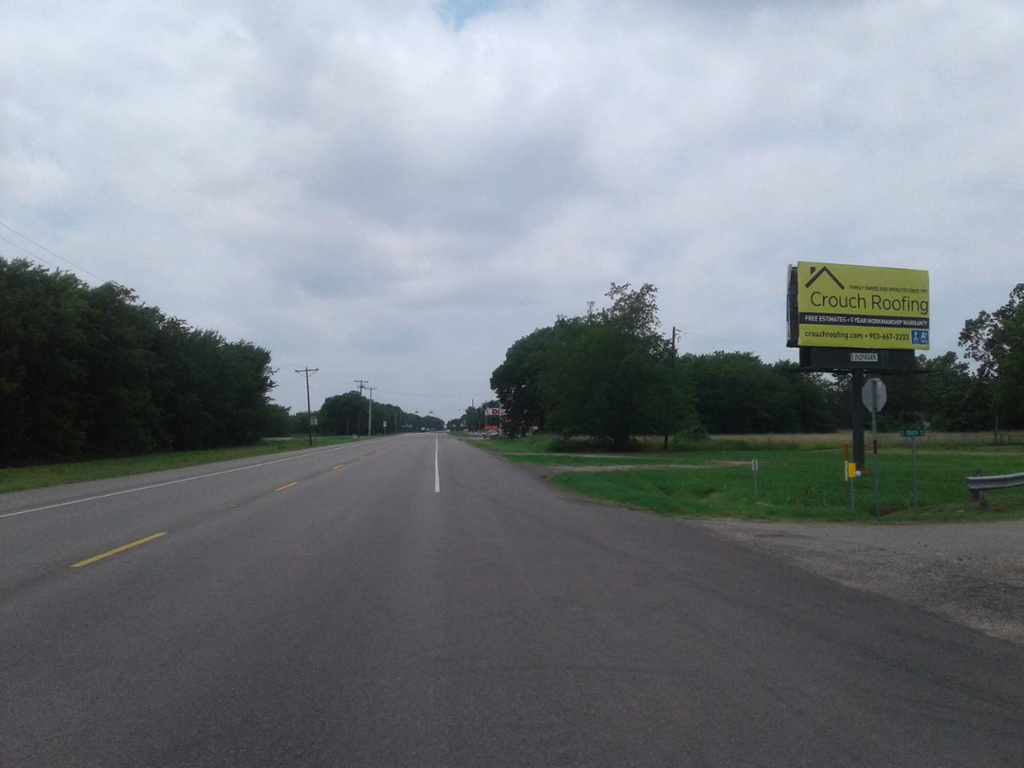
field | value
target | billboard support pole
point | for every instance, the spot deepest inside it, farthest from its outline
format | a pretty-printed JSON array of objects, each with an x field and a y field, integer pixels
[{"x": 856, "y": 385}]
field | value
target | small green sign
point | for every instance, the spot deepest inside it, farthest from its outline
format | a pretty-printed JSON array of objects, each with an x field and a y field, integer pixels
[{"x": 912, "y": 432}]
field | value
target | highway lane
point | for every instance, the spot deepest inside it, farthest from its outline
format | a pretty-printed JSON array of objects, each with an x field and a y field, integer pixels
[
  {"x": 48, "y": 525},
  {"x": 362, "y": 618}
]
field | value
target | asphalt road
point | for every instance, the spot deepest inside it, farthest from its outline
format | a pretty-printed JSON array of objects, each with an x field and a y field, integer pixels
[{"x": 360, "y": 617}]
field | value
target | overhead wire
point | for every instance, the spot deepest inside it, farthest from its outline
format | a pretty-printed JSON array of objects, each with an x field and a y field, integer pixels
[
  {"x": 345, "y": 382},
  {"x": 734, "y": 342},
  {"x": 52, "y": 253},
  {"x": 37, "y": 258}
]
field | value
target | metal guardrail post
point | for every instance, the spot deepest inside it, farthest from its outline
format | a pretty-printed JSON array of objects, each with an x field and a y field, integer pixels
[
  {"x": 977, "y": 494},
  {"x": 981, "y": 484}
]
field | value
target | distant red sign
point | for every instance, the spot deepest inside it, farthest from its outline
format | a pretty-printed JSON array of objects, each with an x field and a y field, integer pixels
[{"x": 491, "y": 428}]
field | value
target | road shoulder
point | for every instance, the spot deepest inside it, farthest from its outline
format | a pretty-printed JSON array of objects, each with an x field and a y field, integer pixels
[{"x": 972, "y": 573}]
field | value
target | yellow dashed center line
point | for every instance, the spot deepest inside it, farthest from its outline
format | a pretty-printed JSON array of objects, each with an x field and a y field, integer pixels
[
  {"x": 339, "y": 466},
  {"x": 285, "y": 486},
  {"x": 119, "y": 549}
]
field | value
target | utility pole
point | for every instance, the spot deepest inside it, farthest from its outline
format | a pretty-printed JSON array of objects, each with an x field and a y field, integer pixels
[
  {"x": 369, "y": 424},
  {"x": 362, "y": 385},
  {"x": 307, "y": 372},
  {"x": 672, "y": 363}
]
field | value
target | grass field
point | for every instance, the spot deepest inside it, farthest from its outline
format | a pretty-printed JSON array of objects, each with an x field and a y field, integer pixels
[
  {"x": 807, "y": 485},
  {"x": 610, "y": 460},
  {"x": 531, "y": 444},
  {"x": 26, "y": 478},
  {"x": 1008, "y": 441},
  {"x": 800, "y": 476},
  {"x": 885, "y": 440}
]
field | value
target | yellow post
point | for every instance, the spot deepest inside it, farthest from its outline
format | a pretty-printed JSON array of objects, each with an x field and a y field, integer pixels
[{"x": 852, "y": 472}]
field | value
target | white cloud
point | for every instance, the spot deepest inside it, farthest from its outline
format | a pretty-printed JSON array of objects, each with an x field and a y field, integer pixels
[{"x": 398, "y": 191}]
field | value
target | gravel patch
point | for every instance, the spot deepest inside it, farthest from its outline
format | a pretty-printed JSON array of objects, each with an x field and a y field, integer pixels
[{"x": 972, "y": 573}]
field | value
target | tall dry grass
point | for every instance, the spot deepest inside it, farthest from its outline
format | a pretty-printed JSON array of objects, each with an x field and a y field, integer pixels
[{"x": 888, "y": 439}]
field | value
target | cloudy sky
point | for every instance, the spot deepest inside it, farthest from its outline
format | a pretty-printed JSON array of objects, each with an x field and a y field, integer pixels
[{"x": 396, "y": 191}]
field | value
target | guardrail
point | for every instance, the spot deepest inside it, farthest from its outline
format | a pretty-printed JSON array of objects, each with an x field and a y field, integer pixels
[{"x": 980, "y": 485}]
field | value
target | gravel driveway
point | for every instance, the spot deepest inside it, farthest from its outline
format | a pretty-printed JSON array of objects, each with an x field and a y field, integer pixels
[{"x": 972, "y": 573}]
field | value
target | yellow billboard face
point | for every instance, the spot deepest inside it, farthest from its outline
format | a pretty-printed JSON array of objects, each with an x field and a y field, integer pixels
[{"x": 841, "y": 305}]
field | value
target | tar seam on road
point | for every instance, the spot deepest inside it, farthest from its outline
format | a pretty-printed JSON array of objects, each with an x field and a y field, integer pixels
[
  {"x": 283, "y": 487},
  {"x": 437, "y": 476},
  {"x": 118, "y": 549},
  {"x": 170, "y": 482}
]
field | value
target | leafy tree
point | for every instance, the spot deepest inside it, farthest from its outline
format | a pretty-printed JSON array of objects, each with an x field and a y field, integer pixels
[
  {"x": 606, "y": 375},
  {"x": 737, "y": 394},
  {"x": 90, "y": 372},
  {"x": 807, "y": 398},
  {"x": 517, "y": 382},
  {"x": 43, "y": 367},
  {"x": 995, "y": 341},
  {"x": 343, "y": 414},
  {"x": 473, "y": 418},
  {"x": 277, "y": 421},
  {"x": 952, "y": 398}
]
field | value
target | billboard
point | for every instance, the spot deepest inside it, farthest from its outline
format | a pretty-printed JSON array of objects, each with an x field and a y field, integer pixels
[{"x": 842, "y": 305}]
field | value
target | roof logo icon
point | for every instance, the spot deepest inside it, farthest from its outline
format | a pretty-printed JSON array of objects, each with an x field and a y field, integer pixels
[{"x": 819, "y": 272}]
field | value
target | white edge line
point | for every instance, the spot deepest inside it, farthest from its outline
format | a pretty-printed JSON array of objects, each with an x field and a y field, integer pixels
[
  {"x": 172, "y": 482},
  {"x": 437, "y": 476}
]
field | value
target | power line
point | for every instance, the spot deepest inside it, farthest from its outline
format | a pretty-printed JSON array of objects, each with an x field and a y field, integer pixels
[
  {"x": 52, "y": 253},
  {"x": 37, "y": 258},
  {"x": 683, "y": 332},
  {"x": 363, "y": 383},
  {"x": 420, "y": 394}
]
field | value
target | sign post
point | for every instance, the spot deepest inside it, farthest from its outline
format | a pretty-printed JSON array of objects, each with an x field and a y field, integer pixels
[
  {"x": 913, "y": 434},
  {"x": 874, "y": 397}
]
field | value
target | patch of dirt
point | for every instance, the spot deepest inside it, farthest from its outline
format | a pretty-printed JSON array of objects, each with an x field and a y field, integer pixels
[{"x": 971, "y": 573}]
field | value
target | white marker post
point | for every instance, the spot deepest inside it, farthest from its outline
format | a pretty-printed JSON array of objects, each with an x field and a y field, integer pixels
[
  {"x": 754, "y": 468},
  {"x": 913, "y": 434},
  {"x": 437, "y": 474}
]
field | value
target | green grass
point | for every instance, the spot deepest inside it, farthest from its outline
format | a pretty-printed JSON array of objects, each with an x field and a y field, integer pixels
[
  {"x": 607, "y": 460},
  {"x": 531, "y": 444},
  {"x": 804, "y": 485},
  {"x": 26, "y": 478}
]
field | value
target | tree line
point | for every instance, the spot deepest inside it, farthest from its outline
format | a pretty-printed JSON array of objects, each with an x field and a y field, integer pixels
[
  {"x": 349, "y": 414},
  {"x": 90, "y": 372},
  {"x": 94, "y": 372},
  {"x": 611, "y": 375}
]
